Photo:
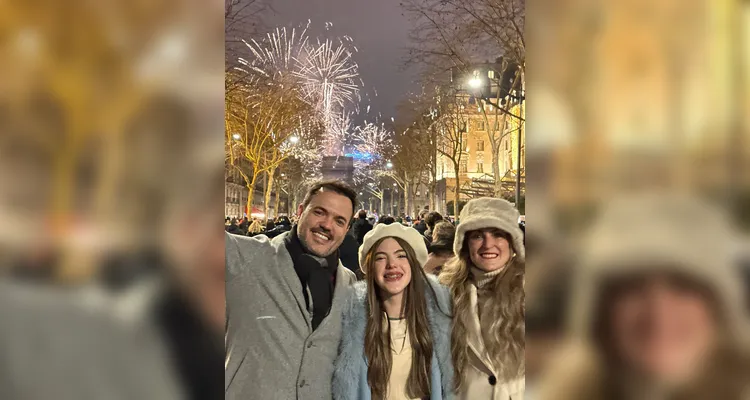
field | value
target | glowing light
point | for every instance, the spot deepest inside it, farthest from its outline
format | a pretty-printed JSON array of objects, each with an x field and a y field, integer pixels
[
  {"x": 389, "y": 165},
  {"x": 236, "y": 136},
  {"x": 475, "y": 83},
  {"x": 294, "y": 139}
]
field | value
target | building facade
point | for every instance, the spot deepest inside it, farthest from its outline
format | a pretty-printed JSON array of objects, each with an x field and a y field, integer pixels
[{"x": 475, "y": 173}]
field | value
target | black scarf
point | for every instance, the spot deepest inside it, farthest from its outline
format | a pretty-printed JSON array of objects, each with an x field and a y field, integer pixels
[{"x": 316, "y": 273}]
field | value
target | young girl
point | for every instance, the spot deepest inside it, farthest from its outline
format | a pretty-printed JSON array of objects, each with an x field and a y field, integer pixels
[
  {"x": 395, "y": 340},
  {"x": 486, "y": 281}
]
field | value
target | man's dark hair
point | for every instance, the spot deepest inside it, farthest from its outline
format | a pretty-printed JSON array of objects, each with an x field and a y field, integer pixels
[
  {"x": 433, "y": 218},
  {"x": 423, "y": 214},
  {"x": 335, "y": 186},
  {"x": 362, "y": 214}
]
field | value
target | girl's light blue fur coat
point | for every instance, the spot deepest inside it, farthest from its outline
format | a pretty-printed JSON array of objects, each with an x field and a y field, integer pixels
[{"x": 350, "y": 374}]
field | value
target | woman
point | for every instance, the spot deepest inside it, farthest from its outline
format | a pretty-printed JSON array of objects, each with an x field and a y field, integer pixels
[
  {"x": 255, "y": 228},
  {"x": 441, "y": 247},
  {"x": 486, "y": 281},
  {"x": 396, "y": 327},
  {"x": 657, "y": 309}
]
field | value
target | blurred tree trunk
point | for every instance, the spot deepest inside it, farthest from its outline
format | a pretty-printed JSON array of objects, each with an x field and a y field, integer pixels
[{"x": 269, "y": 188}]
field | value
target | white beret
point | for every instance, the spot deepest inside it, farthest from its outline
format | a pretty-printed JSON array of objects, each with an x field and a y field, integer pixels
[{"x": 395, "y": 230}]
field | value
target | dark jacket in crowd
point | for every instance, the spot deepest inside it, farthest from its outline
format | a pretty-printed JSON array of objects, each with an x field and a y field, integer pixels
[
  {"x": 283, "y": 226},
  {"x": 359, "y": 229},
  {"x": 234, "y": 229},
  {"x": 244, "y": 225},
  {"x": 428, "y": 236},
  {"x": 348, "y": 253},
  {"x": 421, "y": 227}
]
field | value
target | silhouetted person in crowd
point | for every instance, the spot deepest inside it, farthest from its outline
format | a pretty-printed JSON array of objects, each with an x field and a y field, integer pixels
[
  {"x": 386, "y": 220},
  {"x": 431, "y": 219},
  {"x": 421, "y": 225},
  {"x": 361, "y": 227},
  {"x": 441, "y": 248},
  {"x": 233, "y": 228}
]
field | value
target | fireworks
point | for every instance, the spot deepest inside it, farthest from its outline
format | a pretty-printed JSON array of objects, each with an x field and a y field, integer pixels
[
  {"x": 276, "y": 56},
  {"x": 322, "y": 73},
  {"x": 370, "y": 143},
  {"x": 330, "y": 77}
]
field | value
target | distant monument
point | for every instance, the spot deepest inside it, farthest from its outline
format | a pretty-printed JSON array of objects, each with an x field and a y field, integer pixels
[{"x": 340, "y": 167}]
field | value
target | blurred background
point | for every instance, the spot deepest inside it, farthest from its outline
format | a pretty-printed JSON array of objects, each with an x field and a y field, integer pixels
[
  {"x": 644, "y": 101},
  {"x": 111, "y": 157}
]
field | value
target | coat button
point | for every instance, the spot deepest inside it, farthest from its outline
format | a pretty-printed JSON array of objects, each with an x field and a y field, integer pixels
[
  {"x": 493, "y": 380},
  {"x": 302, "y": 383},
  {"x": 309, "y": 344}
]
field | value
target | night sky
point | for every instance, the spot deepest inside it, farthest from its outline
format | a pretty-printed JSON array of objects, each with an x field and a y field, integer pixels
[{"x": 380, "y": 33}]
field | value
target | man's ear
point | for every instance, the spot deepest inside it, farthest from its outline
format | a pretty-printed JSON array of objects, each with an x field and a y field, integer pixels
[{"x": 299, "y": 210}]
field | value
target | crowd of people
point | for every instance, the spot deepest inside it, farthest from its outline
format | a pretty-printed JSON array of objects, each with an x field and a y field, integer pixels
[
  {"x": 344, "y": 307},
  {"x": 255, "y": 226}
]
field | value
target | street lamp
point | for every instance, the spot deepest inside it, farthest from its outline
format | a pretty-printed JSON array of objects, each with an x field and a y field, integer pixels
[
  {"x": 236, "y": 136},
  {"x": 294, "y": 139},
  {"x": 475, "y": 83}
]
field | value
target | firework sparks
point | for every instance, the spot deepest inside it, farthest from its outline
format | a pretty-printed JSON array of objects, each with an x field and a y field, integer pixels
[
  {"x": 370, "y": 142},
  {"x": 330, "y": 79},
  {"x": 321, "y": 73}
]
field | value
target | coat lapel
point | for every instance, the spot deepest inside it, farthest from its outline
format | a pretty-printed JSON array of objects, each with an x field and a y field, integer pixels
[
  {"x": 476, "y": 343},
  {"x": 285, "y": 266}
]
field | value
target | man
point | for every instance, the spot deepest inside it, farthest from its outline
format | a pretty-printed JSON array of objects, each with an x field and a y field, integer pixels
[
  {"x": 244, "y": 225},
  {"x": 233, "y": 228},
  {"x": 361, "y": 227},
  {"x": 421, "y": 226},
  {"x": 431, "y": 219},
  {"x": 284, "y": 302}
]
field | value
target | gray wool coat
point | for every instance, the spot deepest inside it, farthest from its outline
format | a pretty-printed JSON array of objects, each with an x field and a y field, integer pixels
[
  {"x": 272, "y": 351},
  {"x": 350, "y": 378}
]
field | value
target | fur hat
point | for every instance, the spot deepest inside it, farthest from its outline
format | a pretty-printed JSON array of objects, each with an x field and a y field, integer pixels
[
  {"x": 487, "y": 212},
  {"x": 659, "y": 233},
  {"x": 407, "y": 234}
]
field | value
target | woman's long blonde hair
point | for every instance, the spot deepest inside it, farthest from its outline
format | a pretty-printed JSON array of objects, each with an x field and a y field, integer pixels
[{"x": 503, "y": 309}]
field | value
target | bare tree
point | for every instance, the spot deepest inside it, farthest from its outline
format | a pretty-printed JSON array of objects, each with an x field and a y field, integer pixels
[
  {"x": 243, "y": 19},
  {"x": 456, "y": 36}
]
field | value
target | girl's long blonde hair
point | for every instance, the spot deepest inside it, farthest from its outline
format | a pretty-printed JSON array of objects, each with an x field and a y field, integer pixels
[{"x": 503, "y": 309}]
